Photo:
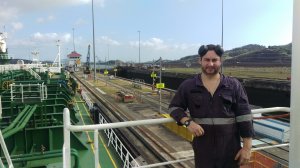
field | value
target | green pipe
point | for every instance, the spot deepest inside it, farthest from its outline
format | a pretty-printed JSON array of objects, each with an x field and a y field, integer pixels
[
  {"x": 21, "y": 123},
  {"x": 16, "y": 120},
  {"x": 45, "y": 155},
  {"x": 23, "y": 116},
  {"x": 39, "y": 153},
  {"x": 24, "y": 122}
]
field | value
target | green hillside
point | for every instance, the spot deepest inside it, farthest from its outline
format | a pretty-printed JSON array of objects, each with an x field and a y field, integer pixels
[{"x": 249, "y": 55}]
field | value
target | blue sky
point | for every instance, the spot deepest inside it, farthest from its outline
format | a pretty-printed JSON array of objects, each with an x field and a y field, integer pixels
[{"x": 170, "y": 29}]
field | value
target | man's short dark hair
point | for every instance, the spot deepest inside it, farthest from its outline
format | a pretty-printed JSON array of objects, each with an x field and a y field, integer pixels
[{"x": 204, "y": 48}]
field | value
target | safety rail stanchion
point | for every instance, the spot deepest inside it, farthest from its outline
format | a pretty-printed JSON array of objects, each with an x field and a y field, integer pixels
[
  {"x": 46, "y": 92},
  {"x": 11, "y": 92},
  {"x": 42, "y": 91},
  {"x": 67, "y": 145},
  {"x": 1, "y": 163},
  {"x": 96, "y": 148},
  {"x": 127, "y": 164},
  {"x": 5, "y": 151},
  {"x": 110, "y": 137},
  {"x": 0, "y": 108}
]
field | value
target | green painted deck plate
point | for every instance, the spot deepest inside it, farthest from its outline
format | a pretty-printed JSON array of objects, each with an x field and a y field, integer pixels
[{"x": 87, "y": 157}]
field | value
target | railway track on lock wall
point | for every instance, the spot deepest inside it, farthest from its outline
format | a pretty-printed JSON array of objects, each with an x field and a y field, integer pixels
[
  {"x": 146, "y": 143},
  {"x": 149, "y": 97}
]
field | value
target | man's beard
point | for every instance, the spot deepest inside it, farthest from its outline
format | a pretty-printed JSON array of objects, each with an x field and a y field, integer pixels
[{"x": 216, "y": 70}]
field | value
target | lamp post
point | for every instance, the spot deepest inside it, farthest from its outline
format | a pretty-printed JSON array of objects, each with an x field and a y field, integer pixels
[
  {"x": 58, "y": 55},
  {"x": 94, "y": 41},
  {"x": 73, "y": 40},
  {"x": 160, "y": 60},
  {"x": 107, "y": 56},
  {"x": 222, "y": 35},
  {"x": 222, "y": 25},
  {"x": 139, "y": 47}
]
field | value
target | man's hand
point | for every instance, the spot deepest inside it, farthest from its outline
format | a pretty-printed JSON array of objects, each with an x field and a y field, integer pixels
[
  {"x": 243, "y": 156},
  {"x": 195, "y": 129}
]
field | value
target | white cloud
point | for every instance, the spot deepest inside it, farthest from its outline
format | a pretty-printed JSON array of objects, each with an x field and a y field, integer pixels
[
  {"x": 80, "y": 22},
  {"x": 154, "y": 43},
  {"x": 107, "y": 40},
  {"x": 50, "y": 17},
  {"x": 50, "y": 37},
  {"x": 17, "y": 25},
  {"x": 33, "y": 5},
  {"x": 45, "y": 19},
  {"x": 21, "y": 42},
  {"x": 40, "y": 20},
  {"x": 156, "y": 47},
  {"x": 12, "y": 9},
  {"x": 66, "y": 37},
  {"x": 185, "y": 46},
  {"x": 7, "y": 13}
]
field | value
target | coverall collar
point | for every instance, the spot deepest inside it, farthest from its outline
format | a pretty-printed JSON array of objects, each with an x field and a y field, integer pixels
[{"x": 223, "y": 81}]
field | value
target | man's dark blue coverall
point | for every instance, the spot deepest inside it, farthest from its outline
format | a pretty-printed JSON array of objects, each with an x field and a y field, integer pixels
[{"x": 225, "y": 118}]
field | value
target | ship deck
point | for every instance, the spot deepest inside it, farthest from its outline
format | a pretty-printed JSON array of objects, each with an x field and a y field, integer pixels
[{"x": 107, "y": 155}]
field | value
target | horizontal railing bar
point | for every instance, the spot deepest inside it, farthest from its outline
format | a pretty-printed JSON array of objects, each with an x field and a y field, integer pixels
[
  {"x": 165, "y": 163},
  {"x": 270, "y": 110},
  {"x": 120, "y": 124},
  {"x": 156, "y": 121},
  {"x": 270, "y": 146}
]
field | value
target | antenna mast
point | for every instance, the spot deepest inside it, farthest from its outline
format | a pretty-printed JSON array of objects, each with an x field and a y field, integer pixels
[{"x": 73, "y": 40}]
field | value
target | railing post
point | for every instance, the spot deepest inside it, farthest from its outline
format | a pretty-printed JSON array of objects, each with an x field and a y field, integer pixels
[
  {"x": 110, "y": 137},
  {"x": 67, "y": 144},
  {"x": 96, "y": 148},
  {"x": 294, "y": 150},
  {"x": 40, "y": 87},
  {"x": 46, "y": 95},
  {"x": 5, "y": 151},
  {"x": 126, "y": 162},
  {"x": 22, "y": 94},
  {"x": 0, "y": 108},
  {"x": 11, "y": 93}
]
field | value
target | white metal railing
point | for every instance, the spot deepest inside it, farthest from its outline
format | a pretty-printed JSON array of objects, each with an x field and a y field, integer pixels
[
  {"x": 54, "y": 69},
  {"x": 10, "y": 67},
  {"x": 21, "y": 91},
  {"x": 68, "y": 127},
  {"x": 0, "y": 108},
  {"x": 269, "y": 147},
  {"x": 124, "y": 154},
  {"x": 122, "y": 151},
  {"x": 87, "y": 99},
  {"x": 3, "y": 145},
  {"x": 5, "y": 151},
  {"x": 33, "y": 73},
  {"x": 4, "y": 68},
  {"x": 270, "y": 110}
]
